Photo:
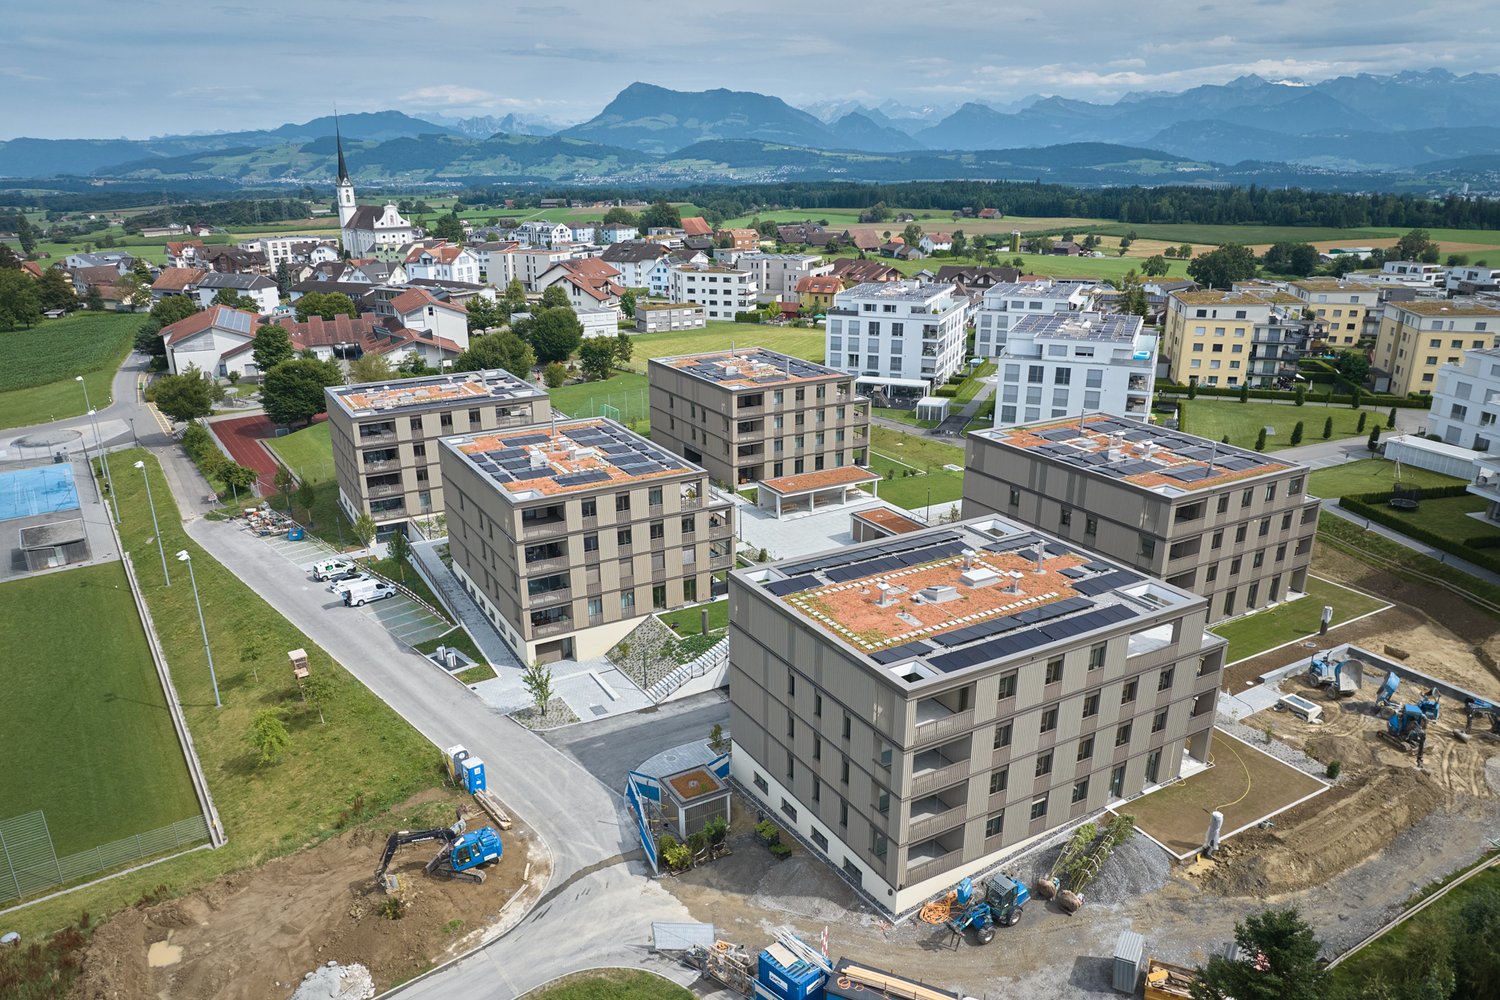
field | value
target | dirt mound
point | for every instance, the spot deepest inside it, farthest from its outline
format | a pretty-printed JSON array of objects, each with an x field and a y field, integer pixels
[{"x": 256, "y": 933}]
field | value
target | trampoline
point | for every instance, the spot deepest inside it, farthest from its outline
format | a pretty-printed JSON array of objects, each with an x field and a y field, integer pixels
[{"x": 39, "y": 490}]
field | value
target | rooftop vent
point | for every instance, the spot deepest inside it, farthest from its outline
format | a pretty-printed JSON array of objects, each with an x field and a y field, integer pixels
[
  {"x": 883, "y": 596},
  {"x": 939, "y": 593},
  {"x": 979, "y": 576}
]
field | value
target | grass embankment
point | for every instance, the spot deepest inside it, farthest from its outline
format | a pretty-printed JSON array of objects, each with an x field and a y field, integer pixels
[
  {"x": 84, "y": 714},
  {"x": 309, "y": 454},
  {"x": 37, "y": 366},
  {"x": 363, "y": 760},
  {"x": 1285, "y": 623},
  {"x": 611, "y": 984},
  {"x": 1393, "y": 557},
  {"x": 913, "y": 467},
  {"x": 689, "y": 621}
]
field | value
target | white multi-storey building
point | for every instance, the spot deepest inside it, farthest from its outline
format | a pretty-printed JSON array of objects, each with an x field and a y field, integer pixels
[
  {"x": 1459, "y": 277},
  {"x": 1065, "y": 364},
  {"x": 777, "y": 274},
  {"x": 902, "y": 336},
  {"x": 1412, "y": 273},
  {"x": 287, "y": 249},
  {"x": 541, "y": 233},
  {"x": 443, "y": 263},
  {"x": 1004, "y": 304},
  {"x": 1466, "y": 402},
  {"x": 721, "y": 291}
]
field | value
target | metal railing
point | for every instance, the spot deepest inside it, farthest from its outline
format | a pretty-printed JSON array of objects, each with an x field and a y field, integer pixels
[{"x": 29, "y": 863}]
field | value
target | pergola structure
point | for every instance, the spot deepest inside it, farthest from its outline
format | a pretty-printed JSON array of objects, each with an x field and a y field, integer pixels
[{"x": 809, "y": 491}]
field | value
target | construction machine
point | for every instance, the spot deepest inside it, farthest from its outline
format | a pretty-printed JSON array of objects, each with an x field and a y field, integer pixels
[
  {"x": 1000, "y": 903},
  {"x": 459, "y": 858},
  {"x": 1387, "y": 693},
  {"x": 1407, "y": 729},
  {"x": 1342, "y": 675},
  {"x": 1475, "y": 708}
]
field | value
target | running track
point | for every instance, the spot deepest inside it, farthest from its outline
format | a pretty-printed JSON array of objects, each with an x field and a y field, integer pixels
[{"x": 242, "y": 438}]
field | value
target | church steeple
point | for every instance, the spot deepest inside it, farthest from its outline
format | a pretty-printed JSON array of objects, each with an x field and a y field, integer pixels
[
  {"x": 345, "y": 187},
  {"x": 339, "y": 140}
]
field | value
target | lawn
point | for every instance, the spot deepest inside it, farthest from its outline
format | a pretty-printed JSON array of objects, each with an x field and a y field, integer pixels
[
  {"x": 611, "y": 984},
  {"x": 1392, "y": 556},
  {"x": 626, "y": 391},
  {"x": 1215, "y": 418},
  {"x": 1031, "y": 263},
  {"x": 1452, "y": 518},
  {"x": 689, "y": 621},
  {"x": 1288, "y": 622},
  {"x": 84, "y": 714},
  {"x": 799, "y": 342},
  {"x": 400, "y": 570},
  {"x": 37, "y": 366},
  {"x": 913, "y": 468},
  {"x": 970, "y": 386},
  {"x": 308, "y": 453},
  {"x": 904, "y": 416},
  {"x": 1370, "y": 475},
  {"x": 1213, "y": 235},
  {"x": 457, "y": 639},
  {"x": 364, "y": 752}
]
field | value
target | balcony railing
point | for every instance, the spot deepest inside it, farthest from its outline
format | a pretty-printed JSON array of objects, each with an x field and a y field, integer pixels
[
  {"x": 930, "y": 826},
  {"x": 948, "y": 725},
  {"x": 385, "y": 490},
  {"x": 550, "y": 598},
  {"x": 552, "y": 628},
  {"x": 384, "y": 465},
  {"x": 930, "y": 869},
  {"x": 543, "y": 529},
  {"x": 543, "y": 565},
  {"x": 380, "y": 437},
  {"x": 942, "y": 777}
]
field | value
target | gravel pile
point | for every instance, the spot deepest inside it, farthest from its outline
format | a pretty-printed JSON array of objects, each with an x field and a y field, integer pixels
[
  {"x": 1281, "y": 751},
  {"x": 336, "y": 982}
]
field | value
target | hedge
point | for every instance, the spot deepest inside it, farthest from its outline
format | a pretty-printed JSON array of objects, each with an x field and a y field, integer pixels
[
  {"x": 1373, "y": 507},
  {"x": 945, "y": 390},
  {"x": 1367, "y": 399}
]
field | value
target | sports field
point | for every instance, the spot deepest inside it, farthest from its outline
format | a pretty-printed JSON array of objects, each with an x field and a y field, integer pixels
[{"x": 85, "y": 721}]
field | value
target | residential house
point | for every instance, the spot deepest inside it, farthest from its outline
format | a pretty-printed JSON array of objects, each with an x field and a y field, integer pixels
[
  {"x": 1063, "y": 364},
  {"x": 591, "y": 283},
  {"x": 634, "y": 259},
  {"x": 443, "y": 263},
  {"x": 582, "y": 232},
  {"x": 290, "y": 249},
  {"x": 1232, "y": 525},
  {"x": 256, "y": 286},
  {"x": 721, "y": 291},
  {"x": 1340, "y": 306},
  {"x": 933, "y": 242},
  {"x": 660, "y": 317},
  {"x": 419, "y": 309},
  {"x": 695, "y": 225},
  {"x": 483, "y": 252},
  {"x": 976, "y": 277},
  {"x": 739, "y": 239},
  {"x": 543, "y": 233},
  {"x": 1466, "y": 280},
  {"x": 183, "y": 253},
  {"x": 1417, "y": 338},
  {"x": 568, "y": 534},
  {"x": 815, "y": 292},
  {"x": 1210, "y": 335},
  {"x": 898, "y": 250},
  {"x": 102, "y": 277},
  {"x": 777, "y": 274},
  {"x": 901, "y": 338},
  {"x": 659, "y": 277},
  {"x": 1411, "y": 273},
  {"x": 205, "y": 338},
  {"x": 173, "y": 229},
  {"x": 1004, "y": 304},
  {"x": 177, "y": 281},
  {"x": 616, "y": 232},
  {"x": 232, "y": 260},
  {"x": 117, "y": 259},
  {"x": 853, "y": 271},
  {"x": 1466, "y": 401}
]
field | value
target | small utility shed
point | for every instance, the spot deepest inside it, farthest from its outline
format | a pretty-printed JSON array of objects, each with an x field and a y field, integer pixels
[
  {"x": 933, "y": 408},
  {"x": 692, "y": 797},
  {"x": 60, "y": 543}
]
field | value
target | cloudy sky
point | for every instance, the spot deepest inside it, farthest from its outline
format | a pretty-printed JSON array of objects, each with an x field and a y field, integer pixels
[{"x": 98, "y": 68}]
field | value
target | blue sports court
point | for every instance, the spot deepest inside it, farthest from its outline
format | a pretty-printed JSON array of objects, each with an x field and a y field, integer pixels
[{"x": 39, "y": 490}]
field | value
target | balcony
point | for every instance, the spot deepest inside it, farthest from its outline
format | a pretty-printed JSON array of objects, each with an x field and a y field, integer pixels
[
  {"x": 368, "y": 437},
  {"x": 556, "y": 626},
  {"x": 932, "y": 857},
  {"x": 933, "y": 769},
  {"x": 385, "y": 490},
  {"x": 550, "y": 564},
  {"x": 550, "y": 598},
  {"x": 934, "y": 814},
  {"x": 383, "y": 465},
  {"x": 936, "y": 721}
]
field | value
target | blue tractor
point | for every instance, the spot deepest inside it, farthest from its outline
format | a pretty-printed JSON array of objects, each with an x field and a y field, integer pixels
[
  {"x": 461, "y": 855},
  {"x": 1001, "y": 903}
]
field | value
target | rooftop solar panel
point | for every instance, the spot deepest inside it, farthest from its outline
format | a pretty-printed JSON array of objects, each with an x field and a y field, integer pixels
[
  {"x": 1189, "y": 473},
  {"x": 525, "y": 439},
  {"x": 792, "y": 585}
]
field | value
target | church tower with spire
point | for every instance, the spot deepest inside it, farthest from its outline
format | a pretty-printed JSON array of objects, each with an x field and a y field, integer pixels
[{"x": 345, "y": 186}]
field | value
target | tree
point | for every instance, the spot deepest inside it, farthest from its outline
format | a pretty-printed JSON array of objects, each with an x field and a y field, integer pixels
[
  {"x": 912, "y": 234},
  {"x": 554, "y": 375},
  {"x": 448, "y": 227},
  {"x": 1354, "y": 366},
  {"x": 55, "y": 290},
  {"x": 285, "y": 482},
  {"x": 1327, "y": 428},
  {"x": 134, "y": 293},
  {"x": 596, "y": 356},
  {"x": 184, "y": 397},
  {"x": 271, "y": 346},
  {"x": 413, "y": 365},
  {"x": 515, "y": 295},
  {"x": 26, "y": 233},
  {"x": 555, "y": 297},
  {"x": 1297, "y": 434},
  {"x": 483, "y": 314},
  {"x": 1170, "y": 253},
  {"x": 1299, "y": 259},
  {"x": 1192, "y": 387},
  {"x": 1364, "y": 417},
  {"x": 624, "y": 348},
  {"x": 284, "y": 279},
  {"x": 627, "y": 303},
  {"x": 1260, "y": 440},
  {"x": 268, "y": 735},
  {"x": 1185, "y": 251},
  {"x": 172, "y": 309},
  {"x": 19, "y": 303},
  {"x": 1155, "y": 266},
  {"x": 1288, "y": 971},
  {"x": 619, "y": 216},
  {"x": 1244, "y": 392},
  {"x": 1390, "y": 418},
  {"x": 400, "y": 551},
  {"x": 1222, "y": 267},
  {"x": 501, "y": 349},
  {"x": 660, "y": 215},
  {"x": 1415, "y": 245},
  {"x": 960, "y": 243},
  {"x": 307, "y": 495},
  {"x": 293, "y": 390},
  {"x": 318, "y": 690},
  {"x": 234, "y": 300},
  {"x": 93, "y": 299},
  {"x": 364, "y": 529},
  {"x": 325, "y": 304},
  {"x": 1374, "y": 443},
  {"x": 1042, "y": 244},
  {"x": 555, "y": 333},
  {"x": 239, "y": 478},
  {"x": 1133, "y": 295},
  {"x": 8, "y": 259},
  {"x": 538, "y": 681},
  {"x": 1356, "y": 398},
  {"x": 370, "y": 368}
]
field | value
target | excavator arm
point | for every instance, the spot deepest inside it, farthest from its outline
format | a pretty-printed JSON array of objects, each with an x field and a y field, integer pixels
[{"x": 403, "y": 837}]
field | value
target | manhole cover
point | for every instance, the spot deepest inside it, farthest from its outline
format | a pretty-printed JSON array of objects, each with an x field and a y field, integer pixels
[{"x": 597, "y": 709}]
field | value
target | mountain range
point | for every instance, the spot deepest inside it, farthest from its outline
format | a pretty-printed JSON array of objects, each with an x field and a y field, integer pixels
[{"x": 1407, "y": 131}]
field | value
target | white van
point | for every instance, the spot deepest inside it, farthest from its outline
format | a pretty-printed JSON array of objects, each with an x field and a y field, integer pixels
[
  {"x": 328, "y": 567},
  {"x": 367, "y": 590}
]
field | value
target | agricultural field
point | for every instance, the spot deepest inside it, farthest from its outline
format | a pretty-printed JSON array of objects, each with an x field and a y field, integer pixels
[
  {"x": 91, "y": 744},
  {"x": 37, "y": 366}
]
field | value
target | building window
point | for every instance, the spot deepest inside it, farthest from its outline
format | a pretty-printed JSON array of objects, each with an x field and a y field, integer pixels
[
  {"x": 590, "y": 508},
  {"x": 844, "y": 771},
  {"x": 789, "y": 809},
  {"x": 627, "y": 602},
  {"x": 817, "y": 706},
  {"x": 1148, "y": 547},
  {"x": 999, "y": 780},
  {"x": 658, "y": 530},
  {"x": 1091, "y": 525},
  {"x": 818, "y": 838},
  {"x": 1038, "y": 807},
  {"x": 1049, "y": 719},
  {"x": 1122, "y": 735},
  {"x": 1080, "y": 790},
  {"x": 1096, "y": 656},
  {"x": 1065, "y": 517},
  {"x": 1086, "y": 748},
  {"x": 760, "y": 782},
  {"x": 1159, "y": 721},
  {"x": 1165, "y": 680},
  {"x": 1091, "y": 705},
  {"x": 622, "y": 538},
  {"x": 1117, "y": 781},
  {"x": 848, "y": 725},
  {"x": 1127, "y": 695},
  {"x": 1054, "y": 670},
  {"x": 817, "y": 747},
  {"x": 1015, "y": 496},
  {"x": 1044, "y": 763},
  {"x": 844, "y": 819},
  {"x": 994, "y": 824},
  {"x": 1002, "y": 735},
  {"x": 1008, "y": 685},
  {"x": 622, "y": 503}
]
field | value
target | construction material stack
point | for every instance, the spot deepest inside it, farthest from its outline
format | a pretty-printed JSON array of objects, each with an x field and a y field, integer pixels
[
  {"x": 786, "y": 972},
  {"x": 1165, "y": 981},
  {"x": 854, "y": 981}
]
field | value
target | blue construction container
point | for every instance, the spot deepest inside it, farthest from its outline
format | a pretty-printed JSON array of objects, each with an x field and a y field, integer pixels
[
  {"x": 786, "y": 977},
  {"x": 473, "y": 774}
]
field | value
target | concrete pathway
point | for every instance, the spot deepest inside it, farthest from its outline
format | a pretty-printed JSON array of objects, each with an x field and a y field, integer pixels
[
  {"x": 1479, "y": 572},
  {"x": 458, "y": 601}
]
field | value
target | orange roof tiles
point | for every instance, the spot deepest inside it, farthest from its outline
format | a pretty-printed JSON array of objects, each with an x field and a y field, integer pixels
[
  {"x": 562, "y": 456},
  {"x": 893, "y": 521},
  {"x": 695, "y": 225}
]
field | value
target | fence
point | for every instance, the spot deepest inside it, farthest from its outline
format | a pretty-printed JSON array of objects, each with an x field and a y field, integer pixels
[
  {"x": 29, "y": 862},
  {"x": 626, "y": 407}
]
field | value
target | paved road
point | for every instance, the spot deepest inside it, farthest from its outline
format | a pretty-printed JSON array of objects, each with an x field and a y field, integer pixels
[
  {"x": 610, "y": 747},
  {"x": 581, "y": 820}
]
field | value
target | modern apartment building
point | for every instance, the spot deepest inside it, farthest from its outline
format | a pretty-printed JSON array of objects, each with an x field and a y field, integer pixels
[
  {"x": 567, "y": 534},
  {"x": 385, "y": 435},
  {"x": 1063, "y": 364},
  {"x": 754, "y": 414},
  {"x": 1412, "y": 273},
  {"x": 1466, "y": 402},
  {"x": 1233, "y": 525},
  {"x": 658, "y": 317},
  {"x": 919, "y": 707},
  {"x": 776, "y": 274},
  {"x": 1005, "y": 303},
  {"x": 1340, "y": 306},
  {"x": 1419, "y": 336},
  {"x": 1210, "y": 335},
  {"x": 900, "y": 338},
  {"x": 721, "y": 291}
]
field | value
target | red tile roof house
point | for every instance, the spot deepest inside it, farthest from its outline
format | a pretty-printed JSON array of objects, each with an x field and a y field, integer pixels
[
  {"x": 591, "y": 283},
  {"x": 176, "y": 281},
  {"x": 417, "y": 309},
  {"x": 696, "y": 225},
  {"x": 205, "y": 338},
  {"x": 345, "y": 338}
]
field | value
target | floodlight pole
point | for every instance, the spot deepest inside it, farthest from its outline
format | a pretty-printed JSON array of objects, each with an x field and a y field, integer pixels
[
  {"x": 159, "y": 547},
  {"x": 184, "y": 557},
  {"x": 99, "y": 444}
]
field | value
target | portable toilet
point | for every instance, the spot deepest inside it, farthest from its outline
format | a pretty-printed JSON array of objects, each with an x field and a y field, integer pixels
[
  {"x": 456, "y": 755},
  {"x": 1130, "y": 950},
  {"x": 473, "y": 770},
  {"x": 781, "y": 975}
]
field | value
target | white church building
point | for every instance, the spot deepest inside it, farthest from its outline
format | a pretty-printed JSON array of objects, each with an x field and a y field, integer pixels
[{"x": 364, "y": 230}]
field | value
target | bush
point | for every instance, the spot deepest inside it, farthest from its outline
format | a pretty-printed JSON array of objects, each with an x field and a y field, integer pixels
[
  {"x": 1334, "y": 767},
  {"x": 945, "y": 390},
  {"x": 1373, "y": 507},
  {"x": 780, "y": 850},
  {"x": 1297, "y": 433}
]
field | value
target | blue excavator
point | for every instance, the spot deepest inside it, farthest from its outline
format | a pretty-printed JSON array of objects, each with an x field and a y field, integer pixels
[
  {"x": 1428, "y": 706},
  {"x": 1343, "y": 676},
  {"x": 1001, "y": 903},
  {"x": 1407, "y": 729},
  {"x": 460, "y": 857}
]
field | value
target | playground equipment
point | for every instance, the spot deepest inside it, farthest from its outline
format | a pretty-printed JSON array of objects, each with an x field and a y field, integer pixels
[
  {"x": 459, "y": 859},
  {"x": 1404, "y": 496},
  {"x": 1343, "y": 676}
]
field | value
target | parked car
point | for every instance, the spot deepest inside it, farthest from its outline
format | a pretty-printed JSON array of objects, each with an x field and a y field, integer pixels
[
  {"x": 343, "y": 582},
  {"x": 367, "y": 590},
  {"x": 326, "y": 569}
]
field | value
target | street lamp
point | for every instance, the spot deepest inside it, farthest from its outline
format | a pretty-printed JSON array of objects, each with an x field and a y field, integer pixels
[
  {"x": 184, "y": 557},
  {"x": 99, "y": 444},
  {"x": 154, "y": 524}
]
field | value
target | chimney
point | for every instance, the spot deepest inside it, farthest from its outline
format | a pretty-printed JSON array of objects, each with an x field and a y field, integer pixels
[
  {"x": 969, "y": 555},
  {"x": 1014, "y": 586},
  {"x": 882, "y": 596},
  {"x": 1040, "y": 553}
]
